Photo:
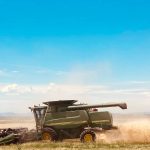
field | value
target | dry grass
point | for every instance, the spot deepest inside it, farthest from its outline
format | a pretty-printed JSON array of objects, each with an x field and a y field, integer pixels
[{"x": 76, "y": 146}]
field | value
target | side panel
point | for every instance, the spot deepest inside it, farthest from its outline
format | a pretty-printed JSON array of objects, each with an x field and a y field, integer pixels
[
  {"x": 101, "y": 119},
  {"x": 68, "y": 119}
]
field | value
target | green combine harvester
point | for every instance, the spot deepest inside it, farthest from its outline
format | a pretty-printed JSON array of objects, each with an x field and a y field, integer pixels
[{"x": 64, "y": 119}]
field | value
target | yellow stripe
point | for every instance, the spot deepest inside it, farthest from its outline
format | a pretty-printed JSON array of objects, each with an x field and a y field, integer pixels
[
  {"x": 66, "y": 123},
  {"x": 102, "y": 121}
]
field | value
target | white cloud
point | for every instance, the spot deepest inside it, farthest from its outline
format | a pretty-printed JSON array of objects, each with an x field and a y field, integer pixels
[
  {"x": 14, "y": 89},
  {"x": 70, "y": 89},
  {"x": 8, "y": 73},
  {"x": 28, "y": 95},
  {"x": 15, "y": 71},
  {"x": 88, "y": 73},
  {"x": 3, "y": 73}
]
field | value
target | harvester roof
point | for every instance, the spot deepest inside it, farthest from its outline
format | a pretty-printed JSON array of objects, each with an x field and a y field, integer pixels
[{"x": 60, "y": 102}]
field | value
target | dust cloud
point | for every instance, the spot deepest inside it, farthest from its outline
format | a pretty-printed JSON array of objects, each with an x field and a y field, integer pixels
[{"x": 131, "y": 129}]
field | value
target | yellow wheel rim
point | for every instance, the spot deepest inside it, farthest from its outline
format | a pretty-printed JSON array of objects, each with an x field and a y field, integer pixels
[
  {"x": 46, "y": 136},
  {"x": 88, "y": 138}
]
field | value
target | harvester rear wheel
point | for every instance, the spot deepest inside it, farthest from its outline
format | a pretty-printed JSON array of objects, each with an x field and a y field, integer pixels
[
  {"x": 87, "y": 136},
  {"x": 49, "y": 134}
]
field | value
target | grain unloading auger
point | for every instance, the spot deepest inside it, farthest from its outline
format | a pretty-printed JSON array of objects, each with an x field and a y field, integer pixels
[
  {"x": 83, "y": 106},
  {"x": 64, "y": 119}
]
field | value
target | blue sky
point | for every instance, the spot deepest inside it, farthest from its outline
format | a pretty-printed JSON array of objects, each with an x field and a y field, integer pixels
[{"x": 74, "y": 43}]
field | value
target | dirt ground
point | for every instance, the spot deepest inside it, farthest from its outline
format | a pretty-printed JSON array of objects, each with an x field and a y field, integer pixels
[{"x": 17, "y": 121}]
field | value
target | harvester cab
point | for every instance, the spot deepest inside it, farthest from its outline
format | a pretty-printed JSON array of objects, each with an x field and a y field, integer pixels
[
  {"x": 39, "y": 114},
  {"x": 65, "y": 119}
]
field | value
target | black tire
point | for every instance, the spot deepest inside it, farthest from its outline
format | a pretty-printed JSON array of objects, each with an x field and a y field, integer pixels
[
  {"x": 87, "y": 136},
  {"x": 49, "y": 134}
]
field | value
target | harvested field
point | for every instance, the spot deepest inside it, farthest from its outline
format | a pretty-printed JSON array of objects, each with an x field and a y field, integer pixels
[
  {"x": 17, "y": 122},
  {"x": 76, "y": 146}
]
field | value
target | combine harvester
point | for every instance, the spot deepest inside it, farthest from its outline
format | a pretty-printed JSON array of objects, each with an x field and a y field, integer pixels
[{"x": 64, "y": 119}]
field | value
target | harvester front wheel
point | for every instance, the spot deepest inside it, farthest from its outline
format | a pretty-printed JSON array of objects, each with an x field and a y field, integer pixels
[
  {"x": 49, "y": 134},
  {"x": 87, "y": 136}
]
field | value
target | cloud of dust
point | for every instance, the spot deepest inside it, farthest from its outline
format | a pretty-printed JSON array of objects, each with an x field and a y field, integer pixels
[{"x": 137, "y": 131}]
